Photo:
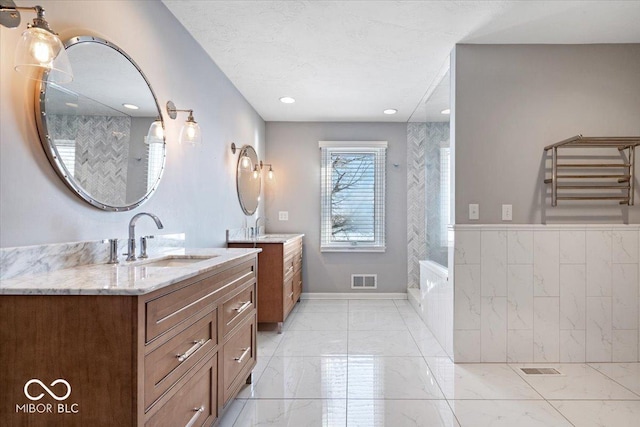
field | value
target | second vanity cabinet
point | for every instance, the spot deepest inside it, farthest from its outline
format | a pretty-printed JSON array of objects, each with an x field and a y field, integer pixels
[
  {"x": 172, "y": 357},
  {"x": 280, "y": 281}
]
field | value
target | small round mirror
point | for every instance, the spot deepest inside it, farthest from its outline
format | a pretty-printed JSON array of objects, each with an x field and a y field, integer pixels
[
  {"x": 95, "y": 130},
  {"x": 248, "y": 180}
]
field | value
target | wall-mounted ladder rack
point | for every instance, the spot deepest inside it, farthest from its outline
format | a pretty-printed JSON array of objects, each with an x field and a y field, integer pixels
[{"x": 589, "y": 177}]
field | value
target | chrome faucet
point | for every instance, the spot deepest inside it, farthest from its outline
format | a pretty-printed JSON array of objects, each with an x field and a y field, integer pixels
[
  {"x": 131, "y": 244},
  {"x": 257, "y": 229}
]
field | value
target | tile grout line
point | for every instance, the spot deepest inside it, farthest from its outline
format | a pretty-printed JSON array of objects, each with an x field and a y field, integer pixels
[
  {"x": 612, "y": 379},
  {"x": 539, "y": 393}
]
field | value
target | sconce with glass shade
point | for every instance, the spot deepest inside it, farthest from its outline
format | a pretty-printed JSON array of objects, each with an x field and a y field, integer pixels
[
  {"x": 155, "y": 135},
  {"x": 39, "y": 47},
  {"x": 247, "y": 164},
  {"x": 190, "y": 131}
]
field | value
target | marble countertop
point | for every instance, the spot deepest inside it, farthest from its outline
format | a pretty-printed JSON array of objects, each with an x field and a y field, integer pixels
[
  {"x": 133, "y": 278},
  {"x": 267, "y": 238}
]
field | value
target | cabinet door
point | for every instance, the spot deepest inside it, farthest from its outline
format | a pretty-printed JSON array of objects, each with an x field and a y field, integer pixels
[
  {"x": 194, "y": 403},
  {"x": 238, "y": 357}
]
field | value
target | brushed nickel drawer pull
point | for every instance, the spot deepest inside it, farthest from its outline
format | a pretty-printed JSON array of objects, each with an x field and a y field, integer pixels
[
  {"x": 289, "y": 270},
  {"x": 243, "y": 307},
  {"x": 193, "y": 349},
  {"x": 195, "y": 417},
  {"x": 243, "y": 355},
  {"x": 291, "y": 295}
]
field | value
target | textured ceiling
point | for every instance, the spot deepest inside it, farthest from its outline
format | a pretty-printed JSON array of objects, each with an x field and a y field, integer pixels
[{"x": 349, "y": 60}]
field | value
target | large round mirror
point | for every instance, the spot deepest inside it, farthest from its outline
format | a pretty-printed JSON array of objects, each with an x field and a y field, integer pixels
[
  {"x": 248, "y": 180},
  {"x": 95, "y": 129}
]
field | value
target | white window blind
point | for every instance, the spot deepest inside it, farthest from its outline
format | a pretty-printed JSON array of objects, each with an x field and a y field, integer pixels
[
  {"x": 445, "y": 179},
  {"x": 67, "y": 152},
  {"x": 155, "y": 160},
  {"x": 353, "y": 195}
]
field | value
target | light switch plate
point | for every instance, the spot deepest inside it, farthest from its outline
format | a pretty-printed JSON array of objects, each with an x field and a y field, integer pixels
[
  {"x": 283, "y": 215},
  {"x": 507, "y": 212},
  {"x": 474, "y": 211}
]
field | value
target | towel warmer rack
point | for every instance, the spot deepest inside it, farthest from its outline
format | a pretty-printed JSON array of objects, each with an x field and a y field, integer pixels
[{"x": 612, "y": 180}]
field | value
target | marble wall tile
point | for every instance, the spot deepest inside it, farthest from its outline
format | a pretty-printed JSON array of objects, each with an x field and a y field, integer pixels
[
  {"x": 520, "y": 345},
  {"x": 494, "y": 329},
  {"x": 466, "y": 346},
  {"x": 520, "y": 247},
  {"x": 546, "y": 330},
  {"x": 493, "y": 260},
  {"x": 624, "y": 247},
  {"x": 546, "y": 261},
  {"x": 467, "y": 297},
  {"x": 467, "y": 247},
  {"x": 572, "y": 247},
  {"x": 520, "y": 297},
  {"x": 599, "y": 249},
  {"x": 573, "y": 292},
  {"x": 599, "y": 329},
  {"x": 580, "y": 287},
  {"x": 625, "y": 296},
  {"x": 625, "y": 345},
  {"x": 572, "y": 346}
]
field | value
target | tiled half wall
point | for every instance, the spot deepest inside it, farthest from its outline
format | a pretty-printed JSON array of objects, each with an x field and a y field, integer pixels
[{"x": 546, "y": 293}]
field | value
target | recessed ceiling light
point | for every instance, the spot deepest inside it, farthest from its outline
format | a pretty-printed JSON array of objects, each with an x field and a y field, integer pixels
[
  {"x": 130, "y": 106},
  {"x": 287, "y": 100},
  {"x": 446, "y": 111},
  {"x": 390, "y": 111}
]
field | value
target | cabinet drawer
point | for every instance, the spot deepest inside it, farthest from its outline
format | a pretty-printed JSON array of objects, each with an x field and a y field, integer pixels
[
  {"x": 169, "y": 310},
  {"x": 239, "y": 353},
  {"x": 238, "y": 307},
  {"x": 288, "y": 267},
  {"x": 194, "y": 403},
  {"x": 172, "y": 360},
  {"x": 288, "y": 295},
  {"x": 297, "y": 261},
  {"x": 297, "y": 285}
]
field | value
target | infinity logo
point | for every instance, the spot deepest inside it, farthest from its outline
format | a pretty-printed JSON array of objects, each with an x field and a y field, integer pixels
[{"x": 52, "y": 394}]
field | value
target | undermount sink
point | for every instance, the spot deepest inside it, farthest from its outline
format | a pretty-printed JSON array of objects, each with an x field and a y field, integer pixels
[{"x": 175, "y": 261}]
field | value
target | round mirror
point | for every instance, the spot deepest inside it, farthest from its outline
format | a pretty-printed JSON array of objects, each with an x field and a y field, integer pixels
[
  {"x": 95, "y": 130},
  {"x": 248, "y": 180}
]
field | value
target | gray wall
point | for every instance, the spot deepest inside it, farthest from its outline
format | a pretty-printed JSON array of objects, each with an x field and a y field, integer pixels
[
  {"x": 197, "y": 194},
  {"x": 512, "y": 100},
  {"x": 293, "y": 150}
]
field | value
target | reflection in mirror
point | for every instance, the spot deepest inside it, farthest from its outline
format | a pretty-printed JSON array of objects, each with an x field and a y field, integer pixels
[
  {"x": 95, "y": 129},
  {"x": 248, "y": 183}
]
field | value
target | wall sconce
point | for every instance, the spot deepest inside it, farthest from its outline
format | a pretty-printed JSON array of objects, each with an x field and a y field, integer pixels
[
  {"x": 190, "y": 131},
  {"x": 155, "y": 135},
  {"x": 245, "y": 163},
  {"x": 245, "y": 160},
  {"x": 258, "y": 169},
  {"x": 39, "y": 48}
]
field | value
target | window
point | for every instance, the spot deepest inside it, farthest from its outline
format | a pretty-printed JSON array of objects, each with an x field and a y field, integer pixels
[
  {"x": 155, "y": 162},
  {"x": 67, "y": 152},
  {"x": 353, "y": 192},
  {"x": 445, "y": 179}
]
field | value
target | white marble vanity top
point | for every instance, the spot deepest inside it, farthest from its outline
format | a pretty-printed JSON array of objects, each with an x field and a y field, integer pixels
[
  {"x": 133, "y": 278},
  {"x": 266, "y": 238}
]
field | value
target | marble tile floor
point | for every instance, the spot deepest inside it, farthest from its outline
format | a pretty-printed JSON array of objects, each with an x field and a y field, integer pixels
[{"x": 374, "y": 363}]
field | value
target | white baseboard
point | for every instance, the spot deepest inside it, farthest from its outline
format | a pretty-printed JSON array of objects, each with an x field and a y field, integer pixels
[{"x": 347, "y": 296}]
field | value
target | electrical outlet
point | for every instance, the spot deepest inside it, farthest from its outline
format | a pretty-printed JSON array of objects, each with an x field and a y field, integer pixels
[
  {"x": 283, "y": 215},
  {"x": 474, "y": 211},
  {"x": 507, "y": 212}
]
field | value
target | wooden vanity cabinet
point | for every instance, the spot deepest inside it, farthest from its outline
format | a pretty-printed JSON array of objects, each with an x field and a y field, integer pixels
[
  {"x": 173, "y": 357},
  {"x": 280, "y": 281}
]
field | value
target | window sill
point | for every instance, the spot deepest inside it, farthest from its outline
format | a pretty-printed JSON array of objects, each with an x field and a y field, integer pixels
[{"x": 377, "y": 249}]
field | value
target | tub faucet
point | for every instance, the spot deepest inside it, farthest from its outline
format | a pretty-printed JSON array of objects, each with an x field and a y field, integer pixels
[
  {"x": 257, "y": 229},
  {"x": 131, "y": 256}
]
